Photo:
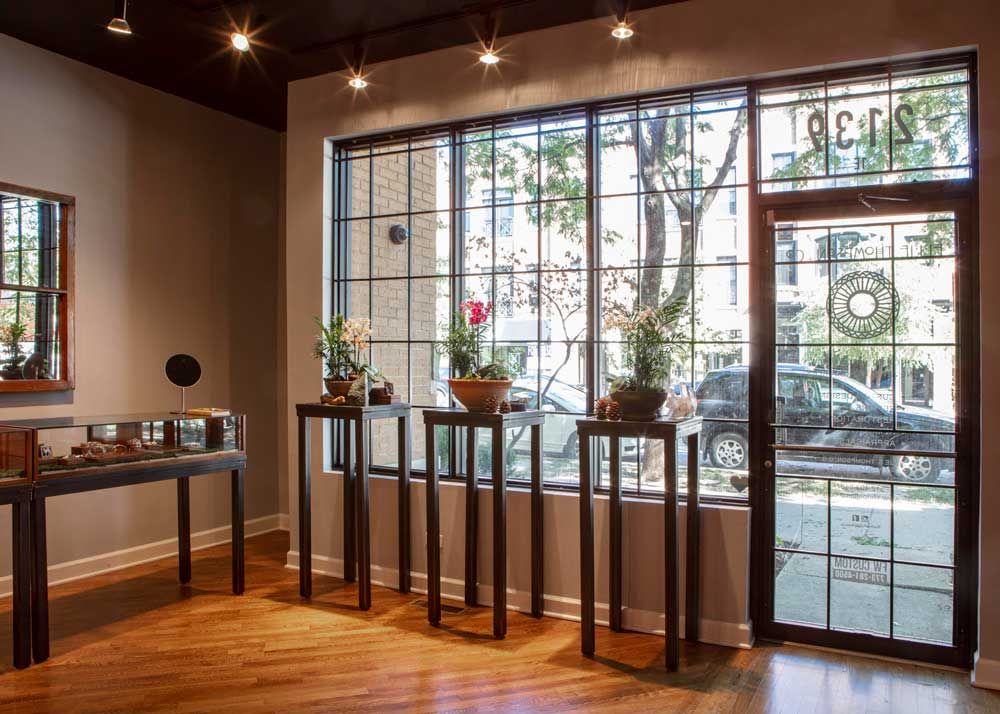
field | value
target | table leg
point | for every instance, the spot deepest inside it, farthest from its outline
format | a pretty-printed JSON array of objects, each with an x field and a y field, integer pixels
[
  {"x": 361, "y": 513},
  {"x": 615, "y": 538},
  {"x": 39, "y": 582},
  {"x": 239, "y": 561},
  {"x": 586, "y": 549},
  {"x": 350, "y": 520},
  {"x": 21, "y": 540},
  {"x": 305, "y": 509},
  {"x": 693, "y": 577},
  {"x": 537, "y": 524},
  {"x": 403, "y": 453},
  {"x": 433, "y": 529},
  {"x": 672, "y": 614},
  {"x": 499, "y": 533},
  {"x": 184, "y": 530},
  {"x": 471, "y": 517}
]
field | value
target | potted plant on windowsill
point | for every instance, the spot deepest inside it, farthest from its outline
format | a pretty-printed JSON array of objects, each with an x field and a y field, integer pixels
[
  {"x": 11, "y": 336},
  {"x": 341, "y": 345},
  {"x": 649, "y": 339},
  {"x": 476, "y": 386}
]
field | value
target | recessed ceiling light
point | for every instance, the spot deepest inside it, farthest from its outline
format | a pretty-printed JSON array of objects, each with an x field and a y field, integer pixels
[
  {"x": 358, "y": 82},
  {"x": 240, "y": 41},
  {"x": 489, "y": 57},
  {"x": 622, "y": 31},
  {"x": 118, "y": 23}
]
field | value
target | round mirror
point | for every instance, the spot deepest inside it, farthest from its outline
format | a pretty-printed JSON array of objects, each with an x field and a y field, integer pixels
[{"x": 183, "y": 370}]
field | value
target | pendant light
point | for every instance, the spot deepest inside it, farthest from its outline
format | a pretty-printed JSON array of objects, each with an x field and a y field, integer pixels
[
  {"x": 118, "y": 23},
  {"x": 489, "y": 55},
  {"x": 357, "y": 80}
]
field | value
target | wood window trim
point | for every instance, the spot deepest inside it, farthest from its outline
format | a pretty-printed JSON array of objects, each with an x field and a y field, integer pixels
[{"x": 67, "y": 290}]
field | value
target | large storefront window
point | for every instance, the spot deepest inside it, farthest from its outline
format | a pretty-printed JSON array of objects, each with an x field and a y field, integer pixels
[{"x": 558, "y": 217}]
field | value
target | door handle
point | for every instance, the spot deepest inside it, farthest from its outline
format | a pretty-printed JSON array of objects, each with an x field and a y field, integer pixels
[{"x": 768, "y": 463}]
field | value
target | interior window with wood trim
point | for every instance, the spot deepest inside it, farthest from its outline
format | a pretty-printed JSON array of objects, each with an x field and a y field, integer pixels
[{"x": 36, "y": 290}]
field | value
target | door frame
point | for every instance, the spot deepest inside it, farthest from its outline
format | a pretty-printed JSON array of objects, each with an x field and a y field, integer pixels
[{"x": 959, "y": 197}]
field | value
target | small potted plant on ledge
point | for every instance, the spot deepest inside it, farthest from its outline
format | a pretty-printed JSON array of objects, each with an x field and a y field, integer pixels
[
  {"x": 477, "y": 386},
  {"x": 649, "y": 339},
  {"x": 341, "y": 345},
  {"x": 11, "y": 336}
]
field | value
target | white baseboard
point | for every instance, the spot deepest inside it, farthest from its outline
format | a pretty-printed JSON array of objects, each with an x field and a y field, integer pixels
[
  {"x": 727, "y": 634},
  {"x": 119, "y": 559},
  {"x": 986, "y": 673}
]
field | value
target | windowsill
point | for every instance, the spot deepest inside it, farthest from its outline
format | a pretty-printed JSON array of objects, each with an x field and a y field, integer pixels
[{"x": 556, "y": 490}]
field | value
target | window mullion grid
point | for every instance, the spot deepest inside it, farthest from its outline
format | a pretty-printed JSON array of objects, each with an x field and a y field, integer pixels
[
  {"x": 409, "y": 273},
  {"x": 592, "y": 252},
  {"x": 639, "y": 271},
  {"x": 493, "y": 232},
  {"x": 538, "y": 265},
  {"x": 456, "y": 262}
]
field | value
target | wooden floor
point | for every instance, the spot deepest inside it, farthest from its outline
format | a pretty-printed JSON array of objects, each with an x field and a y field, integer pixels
[{"x": 136, "y": 641}]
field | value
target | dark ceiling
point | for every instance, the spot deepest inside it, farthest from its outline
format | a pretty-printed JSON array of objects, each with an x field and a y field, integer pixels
[{"x": 182, "y": 46}]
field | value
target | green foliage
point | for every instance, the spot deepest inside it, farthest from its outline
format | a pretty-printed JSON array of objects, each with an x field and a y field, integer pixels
[
  {"x": 461, "y": 344},
  {"x": 650, "y": 336},
  {"x": 11, "y": 336},
  {"x": 336, "y": 352}
]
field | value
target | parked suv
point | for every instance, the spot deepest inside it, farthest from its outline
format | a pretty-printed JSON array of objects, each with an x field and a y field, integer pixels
[{"x": 860, "y": 416}]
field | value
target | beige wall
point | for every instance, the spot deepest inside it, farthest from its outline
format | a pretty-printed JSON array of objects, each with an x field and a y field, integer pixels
[
  {"x": 176, "y": 251},
  {"x": 683, "y": 44}
]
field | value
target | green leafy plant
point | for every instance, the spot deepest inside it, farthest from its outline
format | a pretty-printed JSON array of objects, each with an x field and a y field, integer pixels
[
  {"x": 11, "y": 336},
  {"x": 650, "y": 337},
  {"x": 341, "y": 344},
  {"x": 463, "y": 343}
]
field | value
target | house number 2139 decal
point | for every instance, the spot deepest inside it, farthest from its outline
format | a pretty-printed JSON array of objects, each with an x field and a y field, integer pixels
[{"x": 843, "y": 122}]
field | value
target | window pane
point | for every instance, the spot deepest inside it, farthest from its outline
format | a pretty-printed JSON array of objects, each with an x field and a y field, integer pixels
[
  {"x": 390, "y": 256},
  {"x": 859, "y": 595},
  {"x": 392, "y": 173},
  {"x": 800, "y": 508},
  {"x": 564, "y": 169},
  {"x": 800, "y": 588},
  {"x": 29, "y": 336},
  {"x": 923, "y": 603},
  {"x": 924, "y": 525},
  {"x": 431, "y": 243},
  {"x": 430, "y": 170},
  {"x": 389, "y": 300}
]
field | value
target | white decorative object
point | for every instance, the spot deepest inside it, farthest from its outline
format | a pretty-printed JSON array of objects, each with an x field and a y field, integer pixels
[{"x": 681, "y": 405}]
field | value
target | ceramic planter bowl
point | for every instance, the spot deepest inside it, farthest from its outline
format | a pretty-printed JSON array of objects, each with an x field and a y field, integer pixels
[
  {"x": 338, "y": 387},
  {"x": 639, "y": 406},
  {"x": 472, "y": 393}
]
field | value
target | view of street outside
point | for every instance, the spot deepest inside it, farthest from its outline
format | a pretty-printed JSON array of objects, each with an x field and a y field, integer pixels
[{"x": 672, "y": 223}]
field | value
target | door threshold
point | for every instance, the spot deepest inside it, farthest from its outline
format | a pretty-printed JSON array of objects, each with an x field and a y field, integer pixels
[{"x": 865, "y": 655}]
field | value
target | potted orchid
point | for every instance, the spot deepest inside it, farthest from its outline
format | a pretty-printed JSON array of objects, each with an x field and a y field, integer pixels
[
  {"x": 649, "y": 338},
  {"x": 476, "y": 385},
  {"x": 341, "y": 345}
]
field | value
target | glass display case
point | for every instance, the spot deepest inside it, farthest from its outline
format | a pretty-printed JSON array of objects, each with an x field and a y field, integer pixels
[
  {"x": 39, "y": 449},
  {"x": 15, "y": 456}
]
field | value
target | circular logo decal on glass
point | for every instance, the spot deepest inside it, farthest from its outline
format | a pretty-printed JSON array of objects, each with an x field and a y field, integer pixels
[{"x": 862, "y": 305}]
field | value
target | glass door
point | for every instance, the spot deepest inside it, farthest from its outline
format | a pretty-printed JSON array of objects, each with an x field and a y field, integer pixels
[{"x": 867, "y": 473}]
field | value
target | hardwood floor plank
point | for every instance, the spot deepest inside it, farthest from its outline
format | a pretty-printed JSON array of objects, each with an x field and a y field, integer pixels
[{"x": 137, "y": 641}]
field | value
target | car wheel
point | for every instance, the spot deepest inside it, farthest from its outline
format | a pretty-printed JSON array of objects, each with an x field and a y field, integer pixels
[
  {"x": 916, "y": 469},
  {"x": 729, "y": 451},
  {"x": 572, "y": 448}
]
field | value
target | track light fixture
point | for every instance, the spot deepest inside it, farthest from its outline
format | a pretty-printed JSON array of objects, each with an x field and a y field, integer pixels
[
  {"x": 622, "y": 31},
  {"x": 489, "y": 55},
  {"x": 240, "y": 41},
  {"x": 357, "y": 69},
  {"x": 118, "y": 23}
]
